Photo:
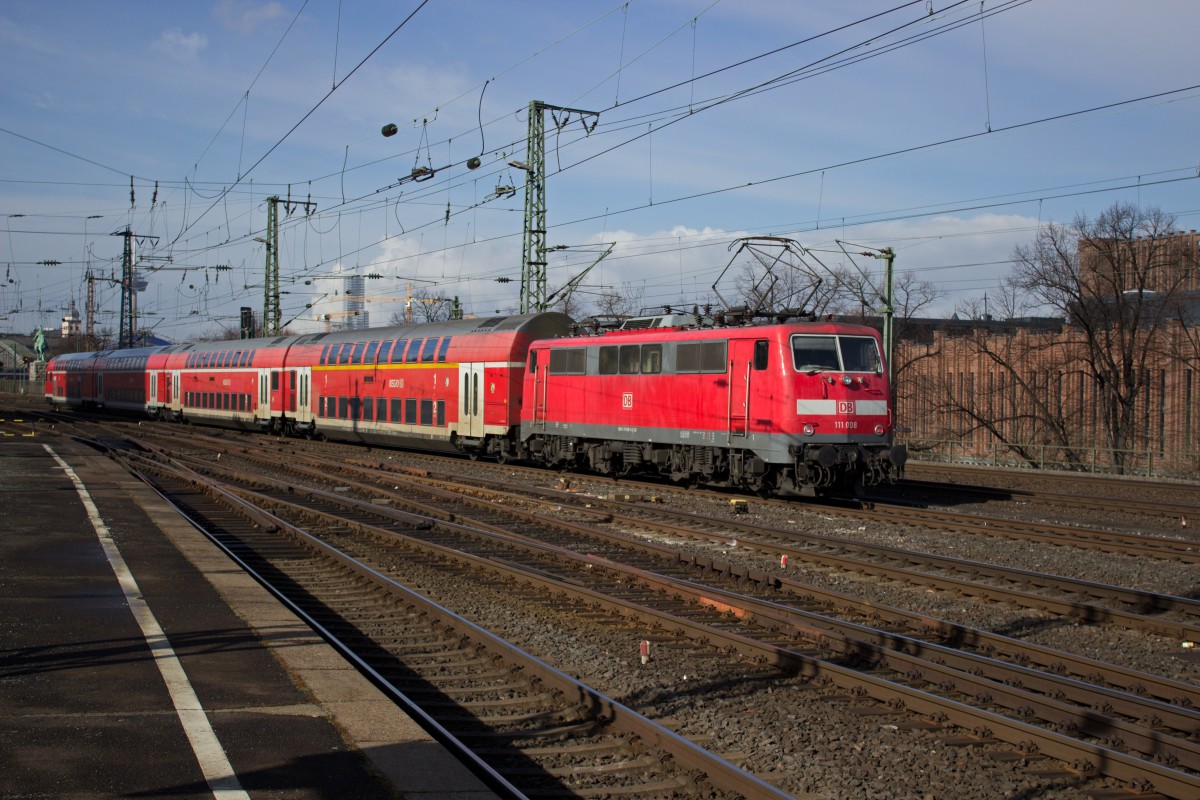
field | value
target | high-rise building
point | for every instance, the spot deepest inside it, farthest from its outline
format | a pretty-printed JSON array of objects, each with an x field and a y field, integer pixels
[{"x": 355, "y": 306}]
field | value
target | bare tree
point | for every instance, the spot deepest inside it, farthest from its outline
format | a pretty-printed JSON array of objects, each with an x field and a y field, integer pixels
[
  {"x": 624, "y": 302},
  {"x": 220, "y": 332},
  {"x": 1009, "y": 303},
  {"x": 1117, "y": 280},
  {"x": 972, "y": 308},
  {"x": 424, "y": 306},
  {"x": 1014, "y": 389},
  {"x": 569, "y": 302}
]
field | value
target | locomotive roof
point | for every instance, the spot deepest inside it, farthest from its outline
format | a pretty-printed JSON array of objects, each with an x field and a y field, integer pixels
[{"x": 683, "y": 332}]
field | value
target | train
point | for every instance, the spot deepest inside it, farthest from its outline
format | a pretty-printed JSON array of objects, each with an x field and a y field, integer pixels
[{"x": 791, "y": 408}]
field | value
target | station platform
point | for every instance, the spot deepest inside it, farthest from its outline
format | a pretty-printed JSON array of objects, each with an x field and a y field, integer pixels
[{"x": 137, "y": 661}]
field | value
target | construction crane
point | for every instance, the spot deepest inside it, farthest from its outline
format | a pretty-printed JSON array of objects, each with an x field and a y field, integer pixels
[
  {"x": 408, "y": 299},
  {"x": 332, "y": 315}
]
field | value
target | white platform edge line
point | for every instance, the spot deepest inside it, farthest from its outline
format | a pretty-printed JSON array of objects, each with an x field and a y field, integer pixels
[{"x": 218, "y": 772}]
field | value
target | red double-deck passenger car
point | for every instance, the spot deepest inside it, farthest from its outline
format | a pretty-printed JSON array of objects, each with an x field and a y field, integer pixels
[{"x": 453, "y": 385}]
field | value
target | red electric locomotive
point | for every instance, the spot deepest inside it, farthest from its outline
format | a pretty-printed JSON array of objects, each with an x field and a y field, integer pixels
[{"x": 798, "y": 408}]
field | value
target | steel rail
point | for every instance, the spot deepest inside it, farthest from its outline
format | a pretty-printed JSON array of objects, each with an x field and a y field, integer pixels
[
  {"x": 1175, "y": 693},
  {"x": 720, "y": 772},
  {"x": 1083, "y": 755}
]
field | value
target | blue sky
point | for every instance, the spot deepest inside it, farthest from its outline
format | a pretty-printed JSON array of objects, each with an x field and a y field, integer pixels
[{"x": 920, "y": 126}]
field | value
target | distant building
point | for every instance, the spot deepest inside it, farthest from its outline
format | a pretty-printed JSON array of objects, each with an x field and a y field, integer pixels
[
  {"x": 355, "y": 306},
  {"x": 1166, "y": 264},
  {"x": 72, "y": 323},
  {"x": 1022, "y": 391}
]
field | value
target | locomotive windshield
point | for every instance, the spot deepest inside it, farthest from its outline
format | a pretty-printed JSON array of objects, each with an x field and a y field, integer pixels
[{"x": 836, "y": 353}]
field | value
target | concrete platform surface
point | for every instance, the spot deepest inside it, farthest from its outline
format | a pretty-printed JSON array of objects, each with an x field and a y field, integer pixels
[{"x": 91, "y": 705}]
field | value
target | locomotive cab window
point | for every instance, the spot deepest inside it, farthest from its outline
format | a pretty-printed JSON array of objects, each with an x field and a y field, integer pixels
[
  {"x": 839, "y": 353},
  {"x": 815, "y": 353},
  {"x": 860, "y": 354}
]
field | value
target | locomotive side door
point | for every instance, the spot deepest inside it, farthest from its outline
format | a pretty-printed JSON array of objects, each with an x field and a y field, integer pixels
[
  {"x": 741, "y": 356},
  {"x": 470, "y": 400},
  {"x": 539, "y": 368},
  {"x": 746, "y": 357}
]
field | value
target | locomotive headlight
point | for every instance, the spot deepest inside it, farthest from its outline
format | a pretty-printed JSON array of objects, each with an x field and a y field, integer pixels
[
  {"x": 809, "y": 430},
  {"x": 847, "y": 380},
  {"x": 879, "y": 430}
]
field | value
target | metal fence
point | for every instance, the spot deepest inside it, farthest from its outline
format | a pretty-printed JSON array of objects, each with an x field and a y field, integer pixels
[
  {"x": 15, "y": 382},
  {"x": 1148, "y": 463}
]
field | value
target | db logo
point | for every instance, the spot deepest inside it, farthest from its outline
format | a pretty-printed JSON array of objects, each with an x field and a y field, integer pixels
[
  {"x": 627, "y": 400},
  {"x": 845, "y": 406}
]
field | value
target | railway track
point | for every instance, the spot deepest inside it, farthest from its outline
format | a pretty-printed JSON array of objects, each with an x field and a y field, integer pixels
[
  {"x": 939, "y": 491},
  {"x": 951, "y": 673},
  {"x": 1176, "y": 617},
  {"x": 1088, "y": 601},
  {"x": 999, "y": 477},
  {"x": 527, "y": 729},
  {"x": 1114, "y": 713}
]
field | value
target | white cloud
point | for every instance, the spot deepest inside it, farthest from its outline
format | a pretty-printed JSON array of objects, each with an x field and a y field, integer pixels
[
  {"x": 180, "y": 46},
  {"x": 247, "y": 17}
]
